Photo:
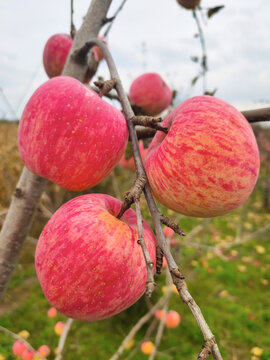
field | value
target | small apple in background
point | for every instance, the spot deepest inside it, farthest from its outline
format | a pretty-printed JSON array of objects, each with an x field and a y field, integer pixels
[
  {"x": 168, "y": 232},
  {"x": 55, "y": 54},
  {"x": 150, "y": 92},
  {"x": 28, "y": 354},
  {"x": 94, "y": 266},
  {"x": 189, "y": 4},
  {"x": 18, "y": 348},
  {"x": 129, "y": 163},
  {"x": 52, "y": 312},
  {"x": 159, "y": 314},
  {"x": 69, "y": 135},
  {"x": 208, "y": 163},
  {"x": 147, "y": 347},
  {"x": 59, "y": 327},
  {"x": 44, "y": 350},
  {"x": 172, "y": 319}
]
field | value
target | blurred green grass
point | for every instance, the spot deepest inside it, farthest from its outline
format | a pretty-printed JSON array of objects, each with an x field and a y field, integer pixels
[{"x": 234, "y": 294}]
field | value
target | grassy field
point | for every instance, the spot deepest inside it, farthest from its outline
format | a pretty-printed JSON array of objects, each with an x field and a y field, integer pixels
[{"x": 227, "y": 268}]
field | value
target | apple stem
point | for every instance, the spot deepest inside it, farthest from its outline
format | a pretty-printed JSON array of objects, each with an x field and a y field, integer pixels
[
  {"x": 177, "y": 277},
  {"x": 133, "y": 194}
]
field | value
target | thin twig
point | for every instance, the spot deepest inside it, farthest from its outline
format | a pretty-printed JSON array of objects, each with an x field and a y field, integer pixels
[
  {"x": 72, "y": 26},
  {"x": 162, "y": 320},
  {"x": 177, "y": 277},
  {"x": 138, "y": 326},
  {"x": 113, "y": 18},
  {"x": 150, "y": 284},
  {"x": 204, "y": 52},
  {"x": 151, "y": 122},
  {"x": 172, "y": 224},
  {"x": 62, "y": 339},
  {"x": 22, "y": 340}
]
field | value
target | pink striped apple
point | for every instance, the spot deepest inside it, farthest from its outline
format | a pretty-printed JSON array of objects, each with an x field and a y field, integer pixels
[
  {"x": 70, "y": 135},
  {"x": 88, "y": 262},
  {"x": 208, "y": 163},
  {"x": 150, "y": 92},
  {"x": 55, "y": 54}
]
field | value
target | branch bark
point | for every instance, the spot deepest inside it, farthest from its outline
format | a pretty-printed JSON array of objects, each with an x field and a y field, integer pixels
[
  {"x": 177, "y": 277},
  {"x": 62, "y": 339},
  {"x": 30, "y": 186}
]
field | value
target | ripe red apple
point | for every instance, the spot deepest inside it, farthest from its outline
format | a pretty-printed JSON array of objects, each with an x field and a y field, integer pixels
[
  {"x": 208, "y": 163},
  {"x": 55, "y": 54},
  {"x": 151, "y": 93},
  {"x": 189, "y": 4},
  {"x": 28, "y": 355},
  {"x": 44, "y": 350},
  {"x": 94, "y": 266},
  {"x": 70, "y": 135},
  {"x": 130, "y": 164},
  {"x": 18, "y": 348}
]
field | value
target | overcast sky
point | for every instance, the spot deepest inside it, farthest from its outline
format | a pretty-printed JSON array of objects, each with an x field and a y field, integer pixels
[{"x": 148, "y": 36}]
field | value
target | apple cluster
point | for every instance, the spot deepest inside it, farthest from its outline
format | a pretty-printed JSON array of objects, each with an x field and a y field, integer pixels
[{"x": 88, "y": 261}]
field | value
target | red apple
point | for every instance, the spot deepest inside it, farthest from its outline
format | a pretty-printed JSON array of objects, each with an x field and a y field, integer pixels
[
  {"x": 172, "y": 319},
  {"x": 151, "y": 93},
  {"x": 44, "y": 350},
  {"x": 208, "y": 163},
  {"x": 130, "y": 164},
  {"x": 55, "y": 54},
  {"x": 94, "y": 266},
  {"x": 18, "y": 348},
  {"x": 28, "y": 355},
  {"x": 70, "y": 135},
  {"x": 189, "y": 4}
]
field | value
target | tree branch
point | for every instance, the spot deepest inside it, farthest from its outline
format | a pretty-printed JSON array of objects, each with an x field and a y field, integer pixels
[
  {"x": 162, "y": 243},
  {"x": 138, "y": 326},
  {"x": 62, "y": 339},
  {"x": 257, "y": 115},
  {"x": 150, "y": 285},
  {"x": 22, "y": 340}
]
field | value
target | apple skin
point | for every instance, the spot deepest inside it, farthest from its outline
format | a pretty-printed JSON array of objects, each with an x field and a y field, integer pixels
[
  {"x": 88, "y": 262},
  {"x": 69, "y": 135},
  {"x": 151, "y": 93},
  {"x": 189, "y": 4},
  {"x": 55, "y": 54},
  {"x": 208, "y": 163},
  {"x": 130, "y": 164}
]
